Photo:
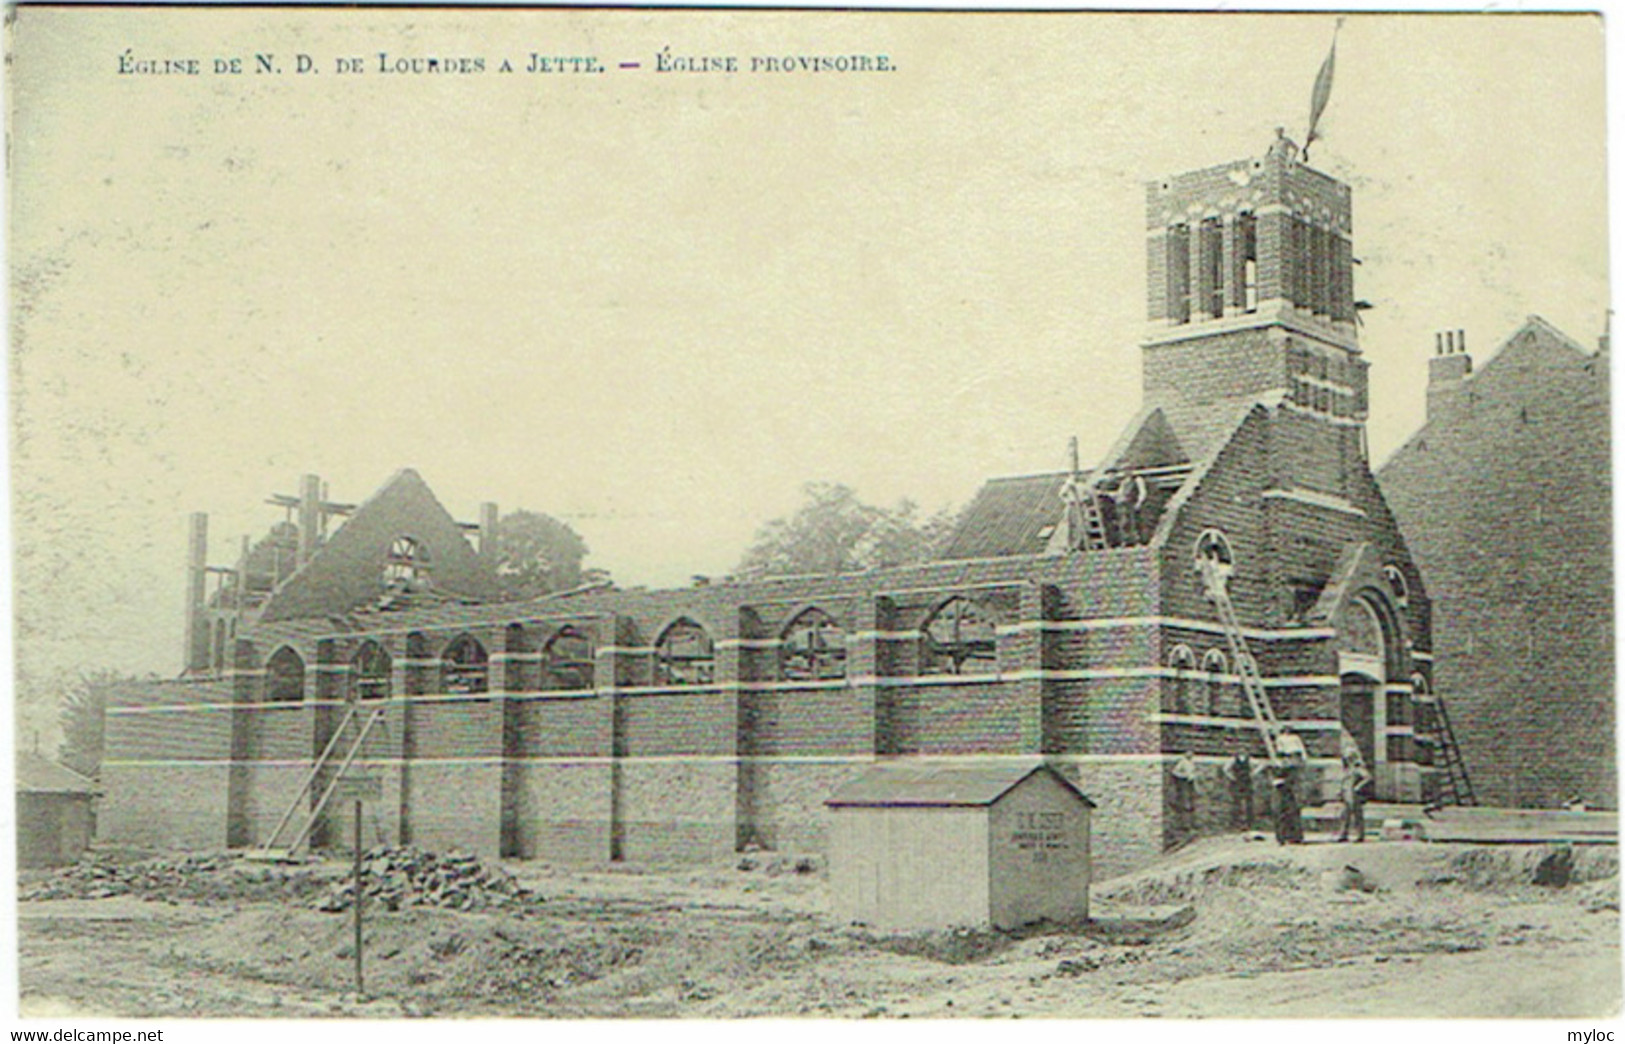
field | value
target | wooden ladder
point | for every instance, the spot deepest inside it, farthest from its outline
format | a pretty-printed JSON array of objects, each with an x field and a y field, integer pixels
[
  {"x": 1094, "y": 523},
  {"x": 1455, "y": 787},
  {"x": 269, "y": 849},
  {"x": 1215, "y": 580}
]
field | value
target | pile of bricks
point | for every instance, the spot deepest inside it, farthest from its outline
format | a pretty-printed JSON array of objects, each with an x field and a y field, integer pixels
[
  {"x": 397, "y": 877},
  {"x": 193, "y": 877}
]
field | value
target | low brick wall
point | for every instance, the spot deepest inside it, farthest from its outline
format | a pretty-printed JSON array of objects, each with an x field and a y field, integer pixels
[{"x": 164, "y": 806}]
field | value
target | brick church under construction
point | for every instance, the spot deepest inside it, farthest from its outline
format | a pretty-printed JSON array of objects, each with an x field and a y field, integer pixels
[{"x": 1230, "y": 566}]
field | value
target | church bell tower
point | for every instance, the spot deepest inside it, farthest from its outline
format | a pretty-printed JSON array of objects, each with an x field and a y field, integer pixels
[{"x": 1250, "y": 281}]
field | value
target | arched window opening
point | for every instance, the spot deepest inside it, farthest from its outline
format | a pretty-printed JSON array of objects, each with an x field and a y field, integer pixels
[
  {"x": 407, "y": 564},
  {"x": 464, "y": 667},
  {"x": 285, "y": 677},
  {"x": 1361, "y": 632},
  {"x": 1396, "y": 583},
  {"x": 1183, "y": 662},
  {"x": 814, "y": 647},
  {"x": 1179, "y": 273},
  {"x": 1246, "y": 252},
  {"x": 569, "y": 660},
  {"x": 684, "y": 655},
  {"x": 1214, "y": 665},
  {"x": 1212, "y": 264},
  {"x": 1213, "y": 546},
  {"x": 369, "y": 671},
  {"x": 959, "y": 639}
]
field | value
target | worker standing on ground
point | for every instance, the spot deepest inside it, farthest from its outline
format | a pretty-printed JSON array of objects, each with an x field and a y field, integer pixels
[
  {"x": 1241, "y": 792},
  {"x": 1184, "y": 773},
  {"x": 1288, "y": 776},
  {"x": 1352, "y": 788}
]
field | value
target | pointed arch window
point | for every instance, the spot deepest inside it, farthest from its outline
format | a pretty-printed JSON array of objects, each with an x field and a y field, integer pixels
[
  {"x": 814, "y": 647},
  {"x": 370, "y": 670},
  {"x": 1215, "y": 666},
  {"x": 465, "y": 667},
  {"x": 568, "y": 657},
  {"x": 285, "y": 677},
  {"x": 959, "y": 639},
  {"x": 1183, "y": 662},
  {"x": 684, "y": 655}
]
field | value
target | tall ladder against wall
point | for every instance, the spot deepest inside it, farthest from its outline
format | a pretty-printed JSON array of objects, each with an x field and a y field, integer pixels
[
  {"x": 352, "y": 715},
  {"x": 1454, "y": 786},
  {"x": 1215, "y": 578}
]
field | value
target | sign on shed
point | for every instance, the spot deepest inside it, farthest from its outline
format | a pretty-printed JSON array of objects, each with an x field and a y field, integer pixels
[{"x": 1001, "y": 842}]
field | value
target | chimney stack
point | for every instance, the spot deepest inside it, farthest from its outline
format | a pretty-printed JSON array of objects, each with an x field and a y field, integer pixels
[
  {"x": 196, "y": 652},
  {"x": 1449, "y": 367}
]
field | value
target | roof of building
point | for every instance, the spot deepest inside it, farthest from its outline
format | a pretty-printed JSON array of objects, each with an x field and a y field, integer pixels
[
  {"x": 1008, "y": 517},
  {"x": 962, "y": 785},
  {"x": 1535, "y": 343},
  {"x": 1015, "y": 516},
  {"x": 37, "y": 774}
]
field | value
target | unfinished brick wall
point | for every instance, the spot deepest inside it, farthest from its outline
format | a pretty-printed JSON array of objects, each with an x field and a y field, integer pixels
[
  {"x": 166, "y": 776},
  {"x": 638, "y": 763}
]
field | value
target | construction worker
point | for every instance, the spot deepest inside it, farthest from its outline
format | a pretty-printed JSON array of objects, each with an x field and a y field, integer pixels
[
  {"x": 1352, "y": 789},
  {"x": 1184, "y": 773},
  {"x": 1290, "y": 759},
  {"x": 1126, "y": 500},
  {"x": 1241, "y": 792}
]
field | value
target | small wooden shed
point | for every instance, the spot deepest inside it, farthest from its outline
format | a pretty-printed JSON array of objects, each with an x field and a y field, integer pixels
[
  {"x": 1000, "y": 843},
  {"x": 55, "y": 812}
]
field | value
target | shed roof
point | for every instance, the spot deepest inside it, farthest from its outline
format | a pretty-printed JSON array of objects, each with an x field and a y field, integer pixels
[
  {"x": 37, "y": 774},
  {"x": 913, "y": 784}
]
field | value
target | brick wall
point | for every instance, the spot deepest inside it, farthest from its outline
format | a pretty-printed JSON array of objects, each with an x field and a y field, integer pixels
[
  {"x": 1505, "y": 498},
  {"x": 166, "y": 773},
  {"x": 677, "y": 775},
  {"x": 1126, "y": 826}
]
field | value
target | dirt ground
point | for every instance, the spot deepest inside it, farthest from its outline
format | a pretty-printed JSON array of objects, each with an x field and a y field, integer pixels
[{"x": 1229, "y": 927}]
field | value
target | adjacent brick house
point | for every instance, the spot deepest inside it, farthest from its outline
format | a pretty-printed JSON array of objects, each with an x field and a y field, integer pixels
[
  {"x": 1506, "y": 495},
  {"x": 1066, "y": 619}
]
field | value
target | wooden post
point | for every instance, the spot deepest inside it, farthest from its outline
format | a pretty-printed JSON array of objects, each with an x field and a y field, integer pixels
[{"x": 360, "y": 987}]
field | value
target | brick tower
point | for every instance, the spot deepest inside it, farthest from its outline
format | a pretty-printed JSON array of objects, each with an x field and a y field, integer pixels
[{"x": 1250, "y": 281}]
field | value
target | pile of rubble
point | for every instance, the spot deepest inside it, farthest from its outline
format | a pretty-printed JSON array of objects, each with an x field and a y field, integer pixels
[
  {"x": 193, "y": 877},
  {"x": 397, "y": 877}
]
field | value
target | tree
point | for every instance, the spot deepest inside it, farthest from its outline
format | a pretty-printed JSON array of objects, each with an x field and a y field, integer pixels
[
  {"x": 537, "y": 554},
  {"x": 835, "y": 532},
  {"x": 84, "y": 719}
]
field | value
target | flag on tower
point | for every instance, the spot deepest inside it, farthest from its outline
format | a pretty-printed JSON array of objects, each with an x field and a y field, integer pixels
[{"x": 1323, "y": 91}]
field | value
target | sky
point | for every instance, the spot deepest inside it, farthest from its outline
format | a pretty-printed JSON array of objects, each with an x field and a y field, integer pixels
[{"x": 656, "y": 304}]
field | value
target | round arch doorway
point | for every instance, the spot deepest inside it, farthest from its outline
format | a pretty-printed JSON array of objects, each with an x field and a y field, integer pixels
[{"x": 1363, "y": 674}]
